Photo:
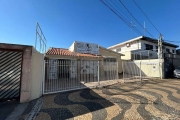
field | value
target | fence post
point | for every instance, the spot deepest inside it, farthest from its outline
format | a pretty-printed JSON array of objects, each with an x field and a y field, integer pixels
[
  {"x": 43, "y": 73},
  {"x": 98, "y": 74},
  {"x": 117, "y": 71},
  {"x": 140, "y": 72},
  {"x": 148, "y": 55},
  {"x": 123, "y": 70}
]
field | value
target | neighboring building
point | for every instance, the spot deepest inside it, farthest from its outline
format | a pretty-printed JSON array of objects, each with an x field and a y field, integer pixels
[
  {"x": 143, "y": 46},
  {"x": 178, "y": 51}
]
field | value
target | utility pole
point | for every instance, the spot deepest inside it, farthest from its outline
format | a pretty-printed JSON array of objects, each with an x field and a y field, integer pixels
[
  {"x": 160, "y": 50},
  {"x": 160, "y": 55}
]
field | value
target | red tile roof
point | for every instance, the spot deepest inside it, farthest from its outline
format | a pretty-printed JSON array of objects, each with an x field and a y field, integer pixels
[{"x": 66, "y": 52}]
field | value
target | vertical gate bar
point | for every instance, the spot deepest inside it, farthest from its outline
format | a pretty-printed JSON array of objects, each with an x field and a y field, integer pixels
[
  {"x": 55, "y": 70},
  {"x": 98, "y": 74},
  {"x": 86, "y": 72},
  {"x": 68, "y": 64},
  {"x": 123, "y": 70},
  {"x": 48, "y": 75},
  {"x": 77, "y": 74},
  {"x": 65, "y": 74},
  {"x": 109, "y": 70},
  {"x": 70, "y": 69},
  {"x": 43, "y": 82},
  {"x": 140, "y": 73},
  {"x": 45, "y": 78},
  {"x": 90, "y": 68},
  {"x": 93, "y": 70},
  {"x": 113, "y": 69},
  {"x": 70, "y": 76},
  {"x": 89, "y": 72},
  {"x": 62, "y": 80},
  {"x": 51, "y": 76},
  {"x": 58, "y": 70},
  {"x": 117, "y": 71},
  {"x": 50, "y": 65},
  {"x": 57, "y": 83},
  {"x": 59, "y": 79}
]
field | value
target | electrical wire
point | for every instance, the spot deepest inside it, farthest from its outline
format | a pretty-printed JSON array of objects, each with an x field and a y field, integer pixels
[
  {"x": 134, "y": 17},
  {"x": 120, "y": 16},
  {"x": 146, "y": 17},
  {"x": 129, "y": 19}
]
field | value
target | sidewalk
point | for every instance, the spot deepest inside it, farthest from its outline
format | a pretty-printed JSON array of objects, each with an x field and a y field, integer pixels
[{"x": 153, "y": 99}]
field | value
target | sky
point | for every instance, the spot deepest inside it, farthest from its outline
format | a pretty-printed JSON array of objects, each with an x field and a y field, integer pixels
[{"x": 65, "y": 21}]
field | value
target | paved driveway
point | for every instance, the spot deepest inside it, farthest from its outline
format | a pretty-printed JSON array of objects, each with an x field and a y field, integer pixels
[{"x": 154, "y": 99}]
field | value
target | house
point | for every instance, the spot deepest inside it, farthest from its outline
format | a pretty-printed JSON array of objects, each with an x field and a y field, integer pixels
[
  {"x": 178, "y": 51},
  {"x": 80, "y": 64},
  {"x": 144, "y": 47},
  {"x": 85, "y": 51}
]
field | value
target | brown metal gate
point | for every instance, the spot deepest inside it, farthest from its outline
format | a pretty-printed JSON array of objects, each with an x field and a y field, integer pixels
[{"x": 10, "y": 74}]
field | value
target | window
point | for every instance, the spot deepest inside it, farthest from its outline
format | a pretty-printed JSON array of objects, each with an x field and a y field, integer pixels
[
  {"x": 156, "y": 48},
  {"x": 149, "y": 47},
  {"x": 118, "y": 50},
  {"x": 167, "y": 50},
  {"x": 172, "y": 51},
  {"x": 109, "y": 59}
]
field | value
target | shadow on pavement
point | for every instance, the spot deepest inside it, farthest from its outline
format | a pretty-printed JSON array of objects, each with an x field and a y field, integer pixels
[{"x": 6, "y": 108}]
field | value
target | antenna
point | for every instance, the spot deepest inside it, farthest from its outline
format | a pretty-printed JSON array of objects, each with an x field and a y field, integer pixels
[
  {"x": 132, "y": 25},
  {"x": 144, "y": 28}
]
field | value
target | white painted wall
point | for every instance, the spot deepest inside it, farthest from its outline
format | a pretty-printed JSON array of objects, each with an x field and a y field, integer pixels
[
  {"x": 135, "y": 45},
  {"x": 71, "y": 48},
  {"x": 139, "y": 45},
  {"x": 36, "y": 74}
]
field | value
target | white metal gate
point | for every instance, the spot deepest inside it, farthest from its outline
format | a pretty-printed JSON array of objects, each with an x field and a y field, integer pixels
[
  {"x": 141, "y": 70},
  {"x": 64, "y": 75}
]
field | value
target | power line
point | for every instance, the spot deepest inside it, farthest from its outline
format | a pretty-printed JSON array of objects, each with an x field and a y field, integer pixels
[
  {"x": 134, "y": 17},
  {"x": 120, "y": 16},
  {"x": 171, "y": 41},
  {"x": 128, "y": 18},
  {"x": 146, "y": 16}
]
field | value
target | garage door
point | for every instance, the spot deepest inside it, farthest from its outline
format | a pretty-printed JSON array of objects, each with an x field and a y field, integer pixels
[{"x": 10, "y": 74}]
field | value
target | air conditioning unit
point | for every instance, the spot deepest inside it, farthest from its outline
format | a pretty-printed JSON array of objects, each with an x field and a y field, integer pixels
[{"x": 128, "y": 45}]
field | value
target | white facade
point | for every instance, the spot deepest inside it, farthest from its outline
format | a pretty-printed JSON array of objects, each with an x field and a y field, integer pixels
[{"x": 138, "y": 45}]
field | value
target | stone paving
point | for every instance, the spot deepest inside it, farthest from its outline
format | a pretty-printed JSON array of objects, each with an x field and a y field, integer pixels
[{"x": 149, "y": 100}]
